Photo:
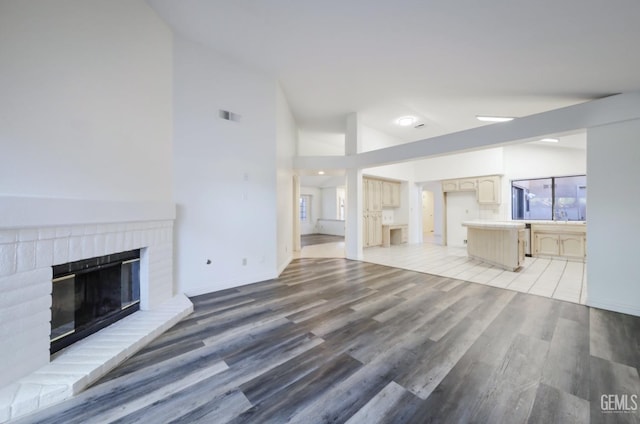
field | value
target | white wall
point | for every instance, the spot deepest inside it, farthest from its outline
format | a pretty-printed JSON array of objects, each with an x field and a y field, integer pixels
[
  {"x": 310, "y": 227},
  {"x": 614, "y": 201},
  {"x": 460, "y": 165},
  {"x": 286, "y": 139},
  {"x": 86, "y": 101},
  {"x": 85, "y": 155},
  {"x": 329, "y": 203},
  {"x": 373, "y": 139},
  {"x": 320, "y": 144},
  {"x": 535, "y": 161},
  {"x": 225, "y": 171}
]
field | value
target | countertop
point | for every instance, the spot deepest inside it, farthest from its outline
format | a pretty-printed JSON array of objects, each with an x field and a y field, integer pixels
[
  {"x": 517, "y": 224},
  {"x": 533, "y": 222},
  {"x": 394, "y": 226},
  {"x": 498, "y": 225}
]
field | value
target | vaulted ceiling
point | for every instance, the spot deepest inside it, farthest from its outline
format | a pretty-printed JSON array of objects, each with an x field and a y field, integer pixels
[{"x": 442, "y": 62}]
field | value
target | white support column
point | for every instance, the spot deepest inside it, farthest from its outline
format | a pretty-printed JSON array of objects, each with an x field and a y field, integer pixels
[
  {"x": 354, "y": 221},
  {"x": 296, "y": 214},
  {"x": 415, "y": 212},
  {"x": 353, "y": 233},
  {"x": 353, "y": 136}
]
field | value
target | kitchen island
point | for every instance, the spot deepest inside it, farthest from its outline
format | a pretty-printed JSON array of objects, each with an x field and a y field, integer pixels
[{"x": 499, "y": 243}]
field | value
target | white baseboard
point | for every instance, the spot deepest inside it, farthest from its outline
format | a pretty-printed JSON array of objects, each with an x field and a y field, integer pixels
[
  {"x": 615, "y": 307},
  {"x": 285, "y": 264}
]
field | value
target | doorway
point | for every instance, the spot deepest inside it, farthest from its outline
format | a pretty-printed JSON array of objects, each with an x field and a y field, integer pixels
[
  {"x": 319, "y": 216},
  {"x": 427, "y": 217}
]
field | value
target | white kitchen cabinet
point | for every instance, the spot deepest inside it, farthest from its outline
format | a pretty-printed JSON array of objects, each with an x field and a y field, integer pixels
[
  {"x": 546, "y": 244},
  {"x": 372, "y": 198},
  {"x": 497, "y": 243},
  {"x": 377, "y": 194},
  {"x": 390, "y": 194},
  {"x": 521, "y": 246},
  {"x": 373, "y": 229},
  {"x": 567, "y": 241},
  {"x": 572, "y": 245},
  {"x": 449, "y": 185},
  {"x": 365, "y": 229},
  {"x": 374, "y": 194},
  {"x": 394, "y": 234},
  {"x": 467, "y": 184},
  {"x": 488, "y": 190},
  {"x": 395, "y": 195}
]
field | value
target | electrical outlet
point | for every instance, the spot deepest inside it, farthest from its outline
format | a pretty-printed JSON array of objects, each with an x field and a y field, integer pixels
[
  {"x": 244, "y": 261},
  {"x": 465, "y": 241}
]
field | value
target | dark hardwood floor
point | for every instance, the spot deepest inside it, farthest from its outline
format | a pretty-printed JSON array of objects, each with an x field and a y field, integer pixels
[
  {"x": 312, "y": 239},
  {"x": 335, "y": 341}
]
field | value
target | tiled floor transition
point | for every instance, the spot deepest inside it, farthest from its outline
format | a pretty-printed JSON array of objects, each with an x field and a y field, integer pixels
[{"x": 553, "y": 278}]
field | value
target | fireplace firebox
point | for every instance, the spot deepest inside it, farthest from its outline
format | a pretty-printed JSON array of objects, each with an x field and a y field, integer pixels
[{"x": 91, "y": 294}]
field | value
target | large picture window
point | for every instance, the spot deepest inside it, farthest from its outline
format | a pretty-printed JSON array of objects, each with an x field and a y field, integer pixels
[{"x": 553, "y": 198}]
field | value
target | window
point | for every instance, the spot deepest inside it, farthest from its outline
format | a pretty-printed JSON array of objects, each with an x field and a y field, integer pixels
[
  {"x": 305, "y": 208},
  {"x": 340, "y": 196},
  {"x": 553, "y": 198}
]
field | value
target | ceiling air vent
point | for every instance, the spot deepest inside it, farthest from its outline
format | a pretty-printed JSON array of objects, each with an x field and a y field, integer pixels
[{"x": 228, "y": 116}]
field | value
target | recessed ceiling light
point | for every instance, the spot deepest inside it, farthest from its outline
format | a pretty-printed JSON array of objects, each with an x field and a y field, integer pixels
[
  {"x": 550, "y": 140},
  {"x": 493, "y": 118},
  {"x": 406, "y": 121},
  {"x": 320, "y": 172}
]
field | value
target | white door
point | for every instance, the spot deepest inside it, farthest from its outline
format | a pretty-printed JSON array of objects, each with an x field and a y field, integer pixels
[
  {"x": 427, "y": 212},
  {"x": 461, "y": 206}
]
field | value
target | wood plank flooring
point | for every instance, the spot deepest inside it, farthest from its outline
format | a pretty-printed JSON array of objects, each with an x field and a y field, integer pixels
[{"x": 339, "y": 341}]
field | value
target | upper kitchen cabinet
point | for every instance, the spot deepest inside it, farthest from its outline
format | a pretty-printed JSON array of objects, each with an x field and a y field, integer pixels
[
  {"x": 467, "y": 184},
  {"x": 488, "y": 190},
  {"x": 390, "y": 194},
  {"x": 374, "y": 192},
  {"x": 449, "y": 185}
]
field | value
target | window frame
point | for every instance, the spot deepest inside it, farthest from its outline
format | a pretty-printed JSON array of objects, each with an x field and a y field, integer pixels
[
  {"x": 305, "y": 199},
  {"x": 553, "y": 197}
]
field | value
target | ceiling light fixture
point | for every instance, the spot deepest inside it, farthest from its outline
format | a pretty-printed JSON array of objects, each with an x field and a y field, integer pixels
[
  {"x": 550, "y": 140},
  {"x": 406, "y": 121},
  {"x": 320, "y": 172},
  {"x": 485, "y": 118}
]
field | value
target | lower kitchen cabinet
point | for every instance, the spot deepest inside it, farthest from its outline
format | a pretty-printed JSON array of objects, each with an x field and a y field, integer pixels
[
  {"x": 568, "y": 241},
  {"x": 372, "y": 229}
]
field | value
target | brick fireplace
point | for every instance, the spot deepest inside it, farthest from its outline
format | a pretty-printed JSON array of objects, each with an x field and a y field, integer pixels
[{"x": 37, "y": 234}]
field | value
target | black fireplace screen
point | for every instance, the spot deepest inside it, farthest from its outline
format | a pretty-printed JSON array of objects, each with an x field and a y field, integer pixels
[{"x": 90, "y": 294}]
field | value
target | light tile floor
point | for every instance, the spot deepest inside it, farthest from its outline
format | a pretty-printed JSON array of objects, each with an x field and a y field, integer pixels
[
  {"x": 553, "y": 278},
  {"x": 324, "y": 250}
]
